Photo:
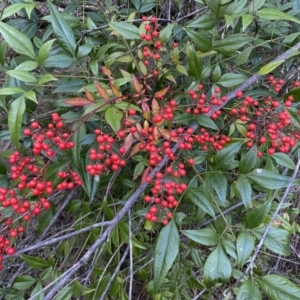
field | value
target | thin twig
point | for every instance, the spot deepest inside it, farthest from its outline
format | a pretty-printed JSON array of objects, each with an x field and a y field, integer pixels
[{"x": 130, "y": 256}]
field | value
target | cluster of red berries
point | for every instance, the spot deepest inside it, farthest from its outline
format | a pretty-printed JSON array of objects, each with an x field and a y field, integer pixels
[
  {"x": 164, "y": 194},
  {"x": 103, "y": 158},
  {"x": 45, "y": 139}
]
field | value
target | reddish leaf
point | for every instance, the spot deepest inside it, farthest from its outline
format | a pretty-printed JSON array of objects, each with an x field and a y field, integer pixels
[
  {"x": 161, "y": 92},
  {"x": 115, "y": 90},
  {"x": 155, "y": 106},
  {"x": 166, "y": 134},
  {"x": 78, "y": 101},
  {"x": 135, "y": 149},
  {"x": 156, "y": 133},
  {"x": 136, "y": 84},
  {"x": 101, "y": 91},
  {"x": 145, "y": 174},
  {"x": 106, "y": 71},
  {"x": 89, "y": 95},
  {"x": 128, "y": 142}
]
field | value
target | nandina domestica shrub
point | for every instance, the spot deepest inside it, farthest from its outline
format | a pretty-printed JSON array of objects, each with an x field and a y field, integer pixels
[{"x": 172, "y": 151}]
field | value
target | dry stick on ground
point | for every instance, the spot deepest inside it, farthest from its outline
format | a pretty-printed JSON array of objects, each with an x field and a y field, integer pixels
[{"x": 63, "y": 279}]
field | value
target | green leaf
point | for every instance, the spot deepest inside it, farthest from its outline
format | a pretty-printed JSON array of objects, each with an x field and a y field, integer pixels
[
  {"x": 84, "y": 50},
  {"x": 138, "y": 170},
  {"x": 182, "y": 118},
  {"x": 37, "y": 293},
  {"x": 256, "y": 217},
  {"x": 217, "y": 267},
  {"x": 65, "y": 293},
  {"x": 231, "y": 44},
  {"x": 23, "y": 282},
  {"x": 256, "y": 5},
  {"x": 62, "y": 31},
  {"x": 58, "y": 61},
  {"x": 166, "y": 250},
  {"x": 11, "y": 91},
  {"x": 46, "y": 78},
  {"x": 248, "y": 291},
  {"x": 278, "y": 287},
  {"x": 247, "y": 20},
  {"x": 275, "y": 14},
  {"x": 248, "y": 161},
  {"x": 125, "y": 30},
  {"x": 270, "y": 180},
  {"x": 199, "y": 198},
  {"x": 201, "y": 41},
  {"x": 206, "y": 122},
  {"x": 277, "y": 240},
  {"x": 79, "y": 130},
  {"x": 17, "y": 40},
  {"x": 207, "y": 236},
  {"x": 31, "y": 95},
  {"x": 27, "y": 65},
  {"x": 224, "y": 159},
  {"x": 204, "y": 22},
  {"x": 284, "y": 160},
  {"x": 195, "y": 65},
  {"x": 15, "y": 115},
  {"x": 12, "y": 9},
  {"x": 244, "y": 188},
  {"x": 22, "y": 75},
  {"x": 219, "y": 182},
  {"x": 243, "y": 56},
  {"x": 35, "y": 262},
  {"x": 44, "y": 51},
  {"x": 113, "y": 117},
  {"x": 230, "y": 80},
  {"x": 166, "y": 33},
  {"x": 270, "y": 67},
  {"x": 244, "y": 246}
]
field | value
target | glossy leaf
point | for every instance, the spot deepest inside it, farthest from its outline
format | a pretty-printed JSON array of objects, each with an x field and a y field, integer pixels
[
  {"x": 248, "y": 161},
  {"x": 166, "y": 251},
  {"x": 23, "y": 282},
  {"x": 201, "y": 41},
  {"x": 277, "y": 240},
  {"x": 231, "y": 80},
  {"x": 249, "y": 291},
  {"x": 284, "y": 160},
  {"x": 270, "y": 67},
  {"x": 27, "y": 65},
  {"x": 113, "y": 117},
  {"x": 24, "y": 76},
  {"x": 219, "y": 182},
  {"x": 243, "y": 56},
  {"x": 101, "y": 91},
  {"x": 275, "y": 14},
  {"x": 206, "y": 122},
  {"x": 44, "y": 51},
  {"x": 243, "y": 186},
  {"x": 16, "y": 111},
  {"x": 125, "y": 30},
  {"x": 207, "y": 236},
  {"x": 200, "y": 199},
  {"x": 195, "y": 65},
  {"x": 204, "y": 22},
  {"x": 62, "y": 31},
  {"x": 217, "y": 267},
  {"x": 278, "y": 287},
  {"x": 11, "y": 91},
  {"x": 256, "y": 217},
  {"x": 269, "y": 180},
  {"x": 35, "y": 262},
  {"x": 58, "y": 61},
  {"x": 166, "y": 33},
  {"x": 244, "y": 246},
  {"x": 224, "y": 159},
  {"x": 17, "y": 40}
]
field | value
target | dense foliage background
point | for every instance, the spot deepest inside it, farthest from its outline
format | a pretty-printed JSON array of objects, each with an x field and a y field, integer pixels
[{"x": 149, "y": 149}]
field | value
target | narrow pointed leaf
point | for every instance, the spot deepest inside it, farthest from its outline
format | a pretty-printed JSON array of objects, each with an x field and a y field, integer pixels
[
  {"x": 166, "y": 250},
  {"x": 244, "y": 246},
  {"x": 113, "y": 117},
  {"x": 62, "y": 31},
  {"x": 22, "y": 75},
  {"x": 101, "y": 91},
  {"x": 244, "y": 188},
  {"x": 284, "y": 160},
  {"x": 256, "y": 217},
  {"x": 78, "y": 101},
  {"x": 219, "y": 183},
  {"x": 125, "y": 30},
  {"x": 17, "y": 40},
  {"x": 275, "y": 14},
  {"x": 206, "y": 122},
  {"x": 207, "y": 236},
  {"x": 195, "y": 65},
  {"x": 15, "y": 115},
  {"x": 248, "y": 161},
  {"x": 199, "y": 198},
  {"x": 136, "y": 84}
]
